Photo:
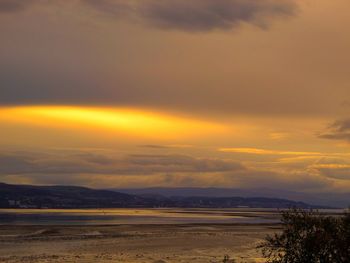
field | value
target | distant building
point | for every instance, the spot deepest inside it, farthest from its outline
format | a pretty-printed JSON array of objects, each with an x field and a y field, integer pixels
[{"x": 14, "y": 203}]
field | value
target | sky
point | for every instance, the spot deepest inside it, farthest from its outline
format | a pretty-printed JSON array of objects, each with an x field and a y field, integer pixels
[{"x": 176, "y": 93}]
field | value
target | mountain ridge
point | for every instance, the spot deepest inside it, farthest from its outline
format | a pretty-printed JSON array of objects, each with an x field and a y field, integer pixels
[
  {"x": 328, "y": 199},
  {"x": 30, "y": 196}
]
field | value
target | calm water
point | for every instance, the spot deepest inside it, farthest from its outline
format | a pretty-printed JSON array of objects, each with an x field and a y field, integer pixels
[
  {"x": 139, "y": 216},
  {"x": 134, "y": 216}
]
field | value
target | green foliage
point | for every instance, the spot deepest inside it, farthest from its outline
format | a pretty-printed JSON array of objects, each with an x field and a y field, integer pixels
[{"x": 309, "y": 237}]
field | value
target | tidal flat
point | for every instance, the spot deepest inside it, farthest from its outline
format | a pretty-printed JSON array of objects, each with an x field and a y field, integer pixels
[
  {"x": 134, "y": 235},
  {"x": 133, "y": 243}
]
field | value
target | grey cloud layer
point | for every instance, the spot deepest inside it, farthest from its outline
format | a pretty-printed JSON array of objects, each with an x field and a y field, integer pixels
[
  {"x": 8, "y": 6},
  {"x": 186, "y": 15},
  {"x": 339, "y": 130},
  {"x": 341, "y": 173},
  {"x": 197, "y": 15},
  {"x": 70, "y": 52},
  {"x": 86, "y": 163},
  {"x": 105, "y": 170}
]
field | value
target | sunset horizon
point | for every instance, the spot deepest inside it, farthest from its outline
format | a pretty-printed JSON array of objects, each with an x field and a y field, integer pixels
[
  {"x": 174, "y": 131},
  {"x": 232, "y": 93}
]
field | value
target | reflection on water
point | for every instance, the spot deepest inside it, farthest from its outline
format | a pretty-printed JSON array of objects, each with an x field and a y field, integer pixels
[
  {"x": 134, "y": 216},
  {"x": 138, "y": 216}
]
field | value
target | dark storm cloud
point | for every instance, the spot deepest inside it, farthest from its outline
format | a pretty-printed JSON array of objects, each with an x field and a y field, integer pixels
[
  {"x": 9, "y": 6},
  {"x": 186, "y": 15},
  {"x": 339, "y": 130},
  {"x": 197, "y": 15}
]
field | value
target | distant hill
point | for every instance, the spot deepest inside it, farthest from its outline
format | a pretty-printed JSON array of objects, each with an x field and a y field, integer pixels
[
  {"x": 232, "y": 202},
  {"x": 340, "y": 200},
  {"x": 28, "y": 196}
]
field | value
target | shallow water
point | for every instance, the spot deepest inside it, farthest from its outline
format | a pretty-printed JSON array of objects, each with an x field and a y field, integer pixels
[
  {"x": 135, "y": 216},
  {"x": 122, "y": 216}
]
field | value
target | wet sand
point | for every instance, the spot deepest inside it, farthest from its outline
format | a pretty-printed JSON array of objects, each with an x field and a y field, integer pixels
[{"x": 133, "y": 243}]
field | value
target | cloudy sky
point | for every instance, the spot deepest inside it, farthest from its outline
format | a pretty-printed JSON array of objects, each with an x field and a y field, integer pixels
[{"x": 140, "y": 93}]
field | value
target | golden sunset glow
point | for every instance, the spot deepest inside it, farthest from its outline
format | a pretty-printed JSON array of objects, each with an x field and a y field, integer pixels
[
  {"x": 265, "y": 152},
  {"x": 132, "y": 122},
  {"x": 114, "y": 93}
]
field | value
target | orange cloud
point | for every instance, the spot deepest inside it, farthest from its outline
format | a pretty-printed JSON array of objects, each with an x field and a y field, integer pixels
[
  {"x": 133, "y": 122},
  {"x": 265, "y": 152}
]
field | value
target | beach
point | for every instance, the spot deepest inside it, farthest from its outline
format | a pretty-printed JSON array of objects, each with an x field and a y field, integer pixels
[
  {"x": 136, "y": 235},
  {"x": 133, "y": 243}
]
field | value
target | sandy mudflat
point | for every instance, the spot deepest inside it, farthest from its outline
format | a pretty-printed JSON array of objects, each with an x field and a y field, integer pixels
[{"x": 132, "y": 243}]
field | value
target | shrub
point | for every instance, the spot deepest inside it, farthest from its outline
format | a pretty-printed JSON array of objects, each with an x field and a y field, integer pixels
[
  {"x": 309, "y": 237},
  {"x": 228, "y": 260}
]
